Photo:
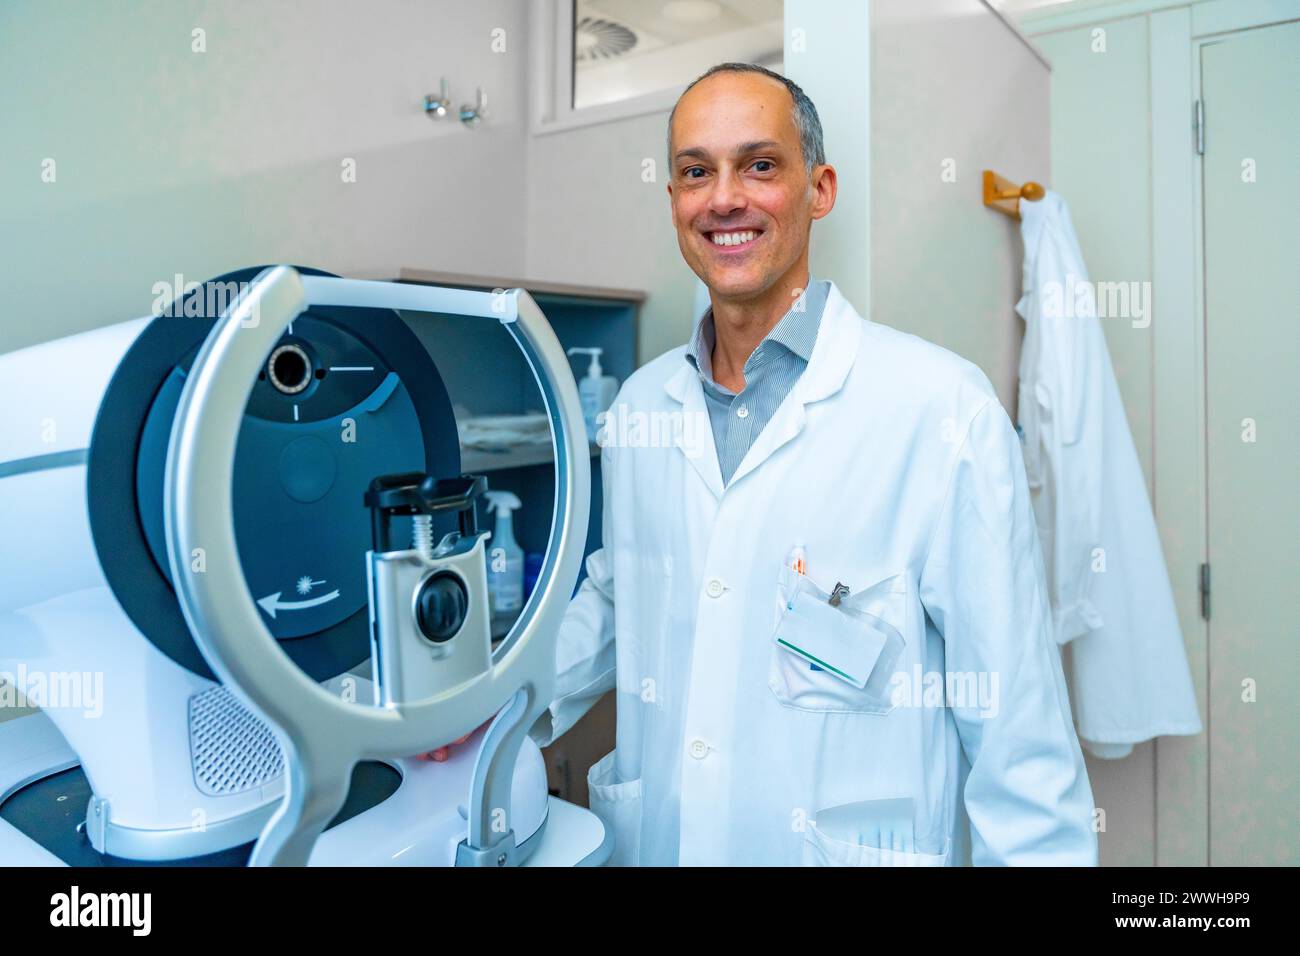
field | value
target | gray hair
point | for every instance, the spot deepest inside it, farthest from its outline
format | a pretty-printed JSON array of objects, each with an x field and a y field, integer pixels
[{"x": 805, "y": 113}]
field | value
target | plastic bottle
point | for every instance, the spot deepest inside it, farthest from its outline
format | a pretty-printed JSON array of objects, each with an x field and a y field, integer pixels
[
  {"x": 505, "y": 559},
  {"x": 596, "y": 389}
]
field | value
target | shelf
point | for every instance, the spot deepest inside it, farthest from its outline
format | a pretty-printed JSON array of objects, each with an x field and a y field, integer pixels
[
  {"x": 474, "y": 461},
  {"x": 535, "y": 286}
]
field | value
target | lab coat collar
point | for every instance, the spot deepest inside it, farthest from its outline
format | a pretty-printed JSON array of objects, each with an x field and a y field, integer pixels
[
  {"x": 685, "y": 387},
  {"x": 1033, "y": 219},
  {"x": 835, "y": 351},
  {"x": 1037, "y": 219},
  {"x": 828, "y": 368}
]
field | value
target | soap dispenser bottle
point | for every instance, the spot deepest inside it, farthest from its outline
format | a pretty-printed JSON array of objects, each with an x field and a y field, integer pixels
[
  {"x": 505, "y": 560},
  {"x": 596, "y": 390}
]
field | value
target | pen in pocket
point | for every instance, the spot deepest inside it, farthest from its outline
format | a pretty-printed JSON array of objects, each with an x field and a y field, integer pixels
[{"x": 798, "y": 563}]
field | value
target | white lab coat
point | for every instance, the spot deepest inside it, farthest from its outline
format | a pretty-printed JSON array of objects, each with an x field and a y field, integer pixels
[
  {"x": 1106, "y": 573},
  {"x": 894, "y": 465}
]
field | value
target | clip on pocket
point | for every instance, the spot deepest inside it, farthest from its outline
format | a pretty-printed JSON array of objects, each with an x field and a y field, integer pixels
[{"x": 839, "y": 640}]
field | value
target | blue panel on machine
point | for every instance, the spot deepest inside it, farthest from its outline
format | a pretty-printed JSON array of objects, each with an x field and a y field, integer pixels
[{"x": 302, "y": 466}]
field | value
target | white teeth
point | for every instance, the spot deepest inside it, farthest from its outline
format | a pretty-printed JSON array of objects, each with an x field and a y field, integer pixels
[{"x": 733, "y": 238}]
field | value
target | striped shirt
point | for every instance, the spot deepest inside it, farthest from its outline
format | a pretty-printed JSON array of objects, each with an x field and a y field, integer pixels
[{"x": 770, "y": 372}]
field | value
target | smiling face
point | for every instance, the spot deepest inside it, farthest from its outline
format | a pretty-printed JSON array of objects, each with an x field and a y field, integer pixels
[{"x": 742, "y": 199}]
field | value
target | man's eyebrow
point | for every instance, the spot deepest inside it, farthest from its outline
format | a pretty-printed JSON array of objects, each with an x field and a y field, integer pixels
[
  {"x": 693, "y": 152},
  {"x": 758, "y": 145},
  {"x": 744, "y": 149}
]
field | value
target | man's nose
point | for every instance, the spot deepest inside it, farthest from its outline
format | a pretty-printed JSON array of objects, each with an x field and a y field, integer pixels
[{"x": 727, "y": 195}]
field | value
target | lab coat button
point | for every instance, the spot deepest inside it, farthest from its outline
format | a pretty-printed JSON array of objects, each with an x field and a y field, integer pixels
[
  {"x": 699, "y": 749},
  {"x": 715, "y": 588}
]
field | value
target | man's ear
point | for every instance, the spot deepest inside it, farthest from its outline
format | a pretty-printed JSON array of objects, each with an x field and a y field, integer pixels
[
  {"x": 825, "y": 187},
  {"x": 672, "y": 210}
]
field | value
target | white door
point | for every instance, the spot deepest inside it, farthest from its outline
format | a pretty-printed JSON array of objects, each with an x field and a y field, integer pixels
[{"x": 1250, "y": 86}]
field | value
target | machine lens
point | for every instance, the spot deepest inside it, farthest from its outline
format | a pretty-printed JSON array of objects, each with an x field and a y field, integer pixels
[{"x": 289, "y": 369}]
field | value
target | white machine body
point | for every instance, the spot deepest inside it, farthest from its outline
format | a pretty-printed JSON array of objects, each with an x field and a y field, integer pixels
[{"x": 177, "y": 766}]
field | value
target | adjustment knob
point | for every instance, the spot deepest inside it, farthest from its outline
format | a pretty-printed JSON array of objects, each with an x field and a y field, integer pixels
[{"x": 441, "y": 607}]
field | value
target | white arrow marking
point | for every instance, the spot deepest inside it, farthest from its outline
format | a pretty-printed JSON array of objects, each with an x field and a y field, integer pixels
[{"x": 272, "y": 603}]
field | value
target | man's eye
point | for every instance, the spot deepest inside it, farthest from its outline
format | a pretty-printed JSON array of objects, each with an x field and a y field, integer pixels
[
  {"x": 690, "y": 172},
  {"x": 763, "y": 166}
]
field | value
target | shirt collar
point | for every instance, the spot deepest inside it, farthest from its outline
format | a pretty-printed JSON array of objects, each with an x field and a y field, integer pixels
[{"x": 796, "y": 331}]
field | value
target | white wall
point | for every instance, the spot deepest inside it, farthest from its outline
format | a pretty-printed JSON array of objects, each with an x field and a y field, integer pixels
[
  {"x": 172, "y": 161},
  {"x": 593, "y": 219},
  {"x": 828, "y": 52},
  {"x": 955, "y": 91},
  {"x": 1101, "y": 153}
]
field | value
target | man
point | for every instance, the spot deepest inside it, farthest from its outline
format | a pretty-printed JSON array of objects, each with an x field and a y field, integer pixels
[{"x": 900, "y": 701}]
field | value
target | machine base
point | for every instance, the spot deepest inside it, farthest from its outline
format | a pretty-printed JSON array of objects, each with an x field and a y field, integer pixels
[
  {"x": 43, "y": 796},
  {"x": 51, "y": 813}
]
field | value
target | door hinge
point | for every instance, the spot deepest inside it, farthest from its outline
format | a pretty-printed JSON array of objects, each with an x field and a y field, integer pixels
[
  {"x": 1198, "y": 122},
  {"x": 1205, "y": 591}
]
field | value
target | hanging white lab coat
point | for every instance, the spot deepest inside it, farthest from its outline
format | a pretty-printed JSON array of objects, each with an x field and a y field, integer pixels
[
  {"x": 894, "y": 465},
  {"x": 1110, "y": 591}
]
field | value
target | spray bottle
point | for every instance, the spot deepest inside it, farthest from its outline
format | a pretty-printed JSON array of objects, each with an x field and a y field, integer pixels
[
  {"x": 505, "y": 559},
  {"x": 596, "y": 390}
]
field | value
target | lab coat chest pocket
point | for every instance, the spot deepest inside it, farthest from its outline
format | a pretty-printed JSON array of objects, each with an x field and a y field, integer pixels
[{"x": 838, "y": 660}]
